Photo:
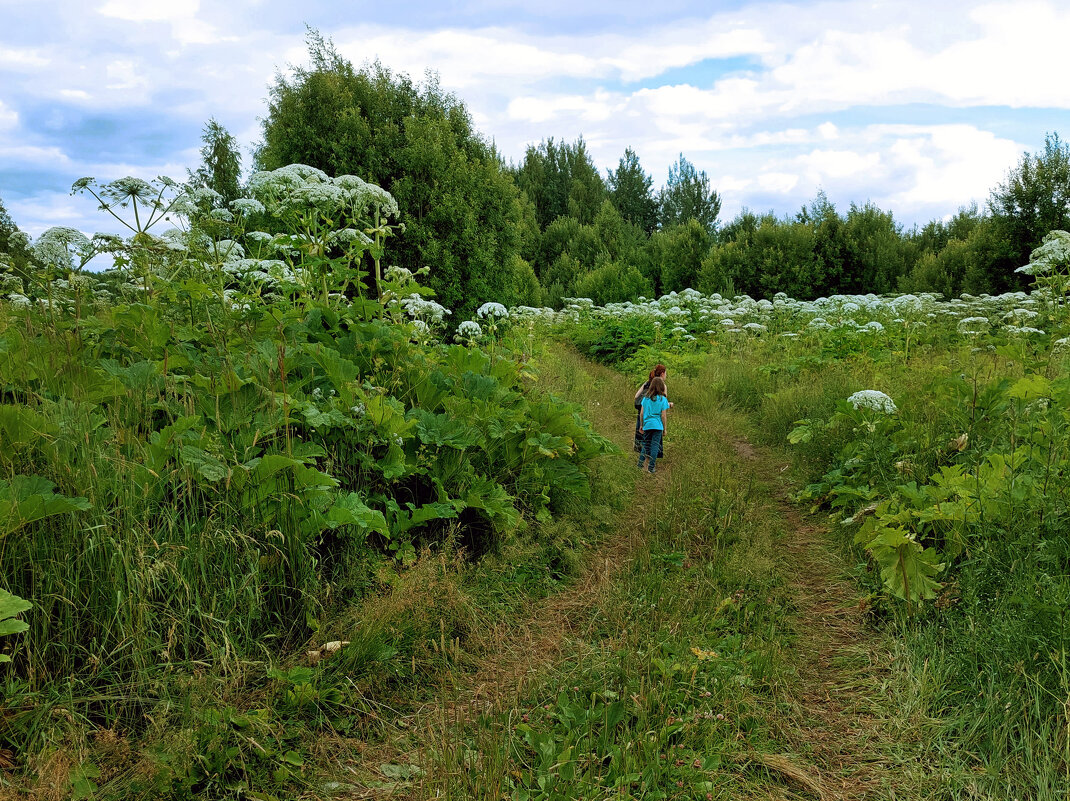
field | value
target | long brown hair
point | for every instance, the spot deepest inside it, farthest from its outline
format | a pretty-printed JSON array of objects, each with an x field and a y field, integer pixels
[
  {"x": 659, "y": 370},
  {"x": 657, "y": 387}
]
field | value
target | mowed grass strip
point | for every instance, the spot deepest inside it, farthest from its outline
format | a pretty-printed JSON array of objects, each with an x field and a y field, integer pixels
[{"x": 665, "y": 685}]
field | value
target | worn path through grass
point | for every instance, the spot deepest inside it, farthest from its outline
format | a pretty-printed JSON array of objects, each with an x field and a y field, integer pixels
[{"x": 710, "y": 647}]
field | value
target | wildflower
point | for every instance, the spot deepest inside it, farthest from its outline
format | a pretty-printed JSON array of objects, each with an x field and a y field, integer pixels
[
  {"x": 872, "y": 399},
  {"x": 247, "y": 205},
  {"x": 973, "y": 325},
  {"x": 469, "y": 329},
  {"x": 492, "y": 310},
  {"x": 57, "y": 246}
]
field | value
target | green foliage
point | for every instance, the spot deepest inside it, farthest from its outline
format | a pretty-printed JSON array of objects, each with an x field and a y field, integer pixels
[
  {"x": 1033, "y": 200},
  {"x": 196, "y": 473},
  {"x": 630, "y": 190},
  {"x": 687, "y": 196},
  {"x": 909, "y": 571},
  {"x": 612, "y": 283},
  {"x": 220, "y": 168},
  {"x": 11, "y": 605},
  {"x": 462, "y": 214},
  {"x": 561, "y": 180},
  {"x": 676, "y": 255}
]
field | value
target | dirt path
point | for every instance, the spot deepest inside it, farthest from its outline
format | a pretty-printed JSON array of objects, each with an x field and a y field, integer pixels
[
  {"x": 831, "y": 736},
  {"x": 837, "y": 656},
  {"x": 519, "y": 653}
]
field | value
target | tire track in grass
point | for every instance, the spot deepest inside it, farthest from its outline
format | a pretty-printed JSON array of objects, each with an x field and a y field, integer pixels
[
  {"x": 517, "y": 653},
  {"x": 840, "y": 662}
]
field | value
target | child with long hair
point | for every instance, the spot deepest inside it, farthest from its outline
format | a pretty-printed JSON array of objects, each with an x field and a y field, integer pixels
[
  {"x": 659, "y": 370},
  {"x": 654, "y": 411}
]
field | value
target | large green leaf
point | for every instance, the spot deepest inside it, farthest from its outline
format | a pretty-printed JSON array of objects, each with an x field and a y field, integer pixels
[
  {"x": 25, "y": 499},
  {"x": 909, "y": 571},
  {"x": 11, "y": 605},
  {"x": 350, "y": 510}
]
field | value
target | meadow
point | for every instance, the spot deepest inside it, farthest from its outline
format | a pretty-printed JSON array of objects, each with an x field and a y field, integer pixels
[
  {"x": 932, "y": 435},
  {"x": 273, "y": 524}
]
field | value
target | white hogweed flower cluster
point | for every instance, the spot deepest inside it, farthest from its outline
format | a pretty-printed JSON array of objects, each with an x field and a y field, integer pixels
[
  {"x": 299, "y": 187},
  {"x": 419, "y": 308},
  {"x": 874, "y": 400},
  {"x": 1054, "y": 252},
  {"x": 492, "y": 310},
  {"x": 58, "y": 246},
  {"x": 469, "y": 329}
]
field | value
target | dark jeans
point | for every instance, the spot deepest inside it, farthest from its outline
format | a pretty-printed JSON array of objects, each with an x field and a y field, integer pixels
[{"x": 651, "y": 446}]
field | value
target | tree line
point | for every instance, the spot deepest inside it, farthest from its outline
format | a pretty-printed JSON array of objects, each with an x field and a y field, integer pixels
[{"x": 553, "y": 226}]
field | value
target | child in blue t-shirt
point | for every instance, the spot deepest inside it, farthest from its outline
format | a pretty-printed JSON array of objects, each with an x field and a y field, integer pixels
[{"x": 654, "y": 408}]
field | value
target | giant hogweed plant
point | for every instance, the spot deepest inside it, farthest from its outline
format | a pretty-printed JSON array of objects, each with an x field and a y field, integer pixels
[
  {"x": 252, "y": 457},
  {"x": 1000, "y": 478}
]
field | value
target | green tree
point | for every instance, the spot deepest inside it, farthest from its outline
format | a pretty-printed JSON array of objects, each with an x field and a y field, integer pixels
[
  {"x": 463, "y": 215},
  {"x": 687, "y": 195},
  {"x": 613, "y": 283},
  {"x": 13, "y": 244},
  {"x": 875, "y": 250},
  {"x": 220, "y": 168},
  {"x": 630, "y": 189},
  {"x": 1034, "y": 200},
  {"x": 561, "y": 180},
  {"x": 762, "y": 256},
  {"x": 676, "y": 254}
]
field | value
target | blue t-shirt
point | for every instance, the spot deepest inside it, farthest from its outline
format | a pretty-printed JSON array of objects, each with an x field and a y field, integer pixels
[{"x": 652, "y": 410}]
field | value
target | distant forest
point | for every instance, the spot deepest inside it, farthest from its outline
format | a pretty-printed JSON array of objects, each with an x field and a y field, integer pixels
[{"x": 553, "y": 226}]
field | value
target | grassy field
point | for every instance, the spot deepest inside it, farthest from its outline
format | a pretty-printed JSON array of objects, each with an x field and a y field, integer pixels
[{"x": 708, "y": 646}]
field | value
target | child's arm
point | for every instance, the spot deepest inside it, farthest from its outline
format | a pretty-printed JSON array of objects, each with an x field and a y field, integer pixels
[{"x": 664, "y": 419}]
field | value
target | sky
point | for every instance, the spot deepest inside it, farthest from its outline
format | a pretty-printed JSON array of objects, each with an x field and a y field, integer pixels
[{"x": 919, "y": 107}]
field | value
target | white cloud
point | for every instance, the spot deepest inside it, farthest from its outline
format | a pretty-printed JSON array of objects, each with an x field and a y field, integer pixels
[
  {"x": 123, "y": 75},
  {"x": 21, "y": 58},
  {"x": 819, "y": 166},
  {"x": 9, "y": 118},
  {"x": 951, "y": 164},
  {"x": 182, "y": 15},
  {"x": 778, "y": 182},
  {"x": 150, "y": 10},
  {"x": 33, "y": 155}
]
